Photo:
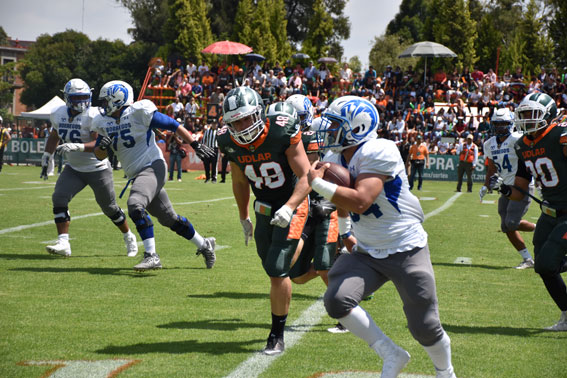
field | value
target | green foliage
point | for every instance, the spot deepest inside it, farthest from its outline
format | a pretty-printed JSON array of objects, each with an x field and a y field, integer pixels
[
  {"x": 263, "y": 41},
  {"x": 148, "y": 17},
  {"x": 7, "y": 75},
  {"x": 558, "y": 31},
  {"x": 408, "y": 23},
  {"x": 242, "y": 31},
  {"x": 278, "y": 28},
  {"x": 385, "y": 50},
  {"x": 538, "y": 47},
  {"x": 3, "y": 37},
  {"x": 316, "y": 43},
  {"x": 54, "y": 60},
  {"x": 355, "y": 64},
  {"x": 489, "y": 40}
]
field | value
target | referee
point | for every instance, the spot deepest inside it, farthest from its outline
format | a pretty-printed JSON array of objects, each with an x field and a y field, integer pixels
[{"x": 210, "y": 140}]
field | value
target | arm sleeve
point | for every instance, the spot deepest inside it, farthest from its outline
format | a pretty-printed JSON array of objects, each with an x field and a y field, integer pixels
[{"x": 161, "y": 121}]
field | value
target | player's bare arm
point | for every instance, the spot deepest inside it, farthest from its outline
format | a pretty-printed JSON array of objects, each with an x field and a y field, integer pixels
[
  {"x": 523, "y": 184},
  {"x": 52, "y": 142},
  {"x": 297, "y": 159},
  {"x": 241, "y": 190}
]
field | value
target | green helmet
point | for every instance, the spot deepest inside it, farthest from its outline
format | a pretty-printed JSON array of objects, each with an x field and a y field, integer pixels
[
  {"x": 282, "y": 108},
  {"x": 240, "y": 103},
  {"x": 535, "y": 112}
]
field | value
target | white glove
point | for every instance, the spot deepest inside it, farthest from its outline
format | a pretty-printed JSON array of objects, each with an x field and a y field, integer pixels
[
  {"x": 68, "y": 147},
  {"x": 282, "y": 217},
  {"x": 482, "y": 192},
  {"x": 45, "y": 159},
  {"x": 495, "y": 182},
  {"x": 248, "y": 229}
]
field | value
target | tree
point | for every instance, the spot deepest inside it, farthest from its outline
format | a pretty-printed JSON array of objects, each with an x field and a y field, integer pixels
[
  {"x": 558, "y": 31},
  {"x": 263, "y": 41},
  {"x": 538, "y": 46},
  {"x": 408, "y": 23},
  {"x": 385, "y": 51},
  {"x": 300, "y": 13},
  {"x": 221, "y": 13},
  {"x": 278, "y": 26},
  {"x": 317, "y": 41},
  {"x": 54, "y": 60},
  {"x": 242, "y": 31},
  {"x": 148, "y": 17},
  {"x": 355, "y": 64}
]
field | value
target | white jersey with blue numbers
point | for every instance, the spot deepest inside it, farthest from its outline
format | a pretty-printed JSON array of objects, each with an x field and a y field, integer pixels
[
  {"x": 503, "y": 156},
  {"x": 393, "y": 223},
  {"x": 77, "y": 130},
  {"x": 134, "y": 142}
]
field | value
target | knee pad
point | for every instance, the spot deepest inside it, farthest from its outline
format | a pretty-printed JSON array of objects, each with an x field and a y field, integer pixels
[
  {"x": 118, "y": 218},
  {"x": 143, "y": 223},
  {"x": 183, "y": 227},
  {"x": 61, "y": 214}
]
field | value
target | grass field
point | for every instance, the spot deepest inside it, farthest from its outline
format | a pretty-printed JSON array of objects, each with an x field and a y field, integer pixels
[{"x": 92, "y": 315}]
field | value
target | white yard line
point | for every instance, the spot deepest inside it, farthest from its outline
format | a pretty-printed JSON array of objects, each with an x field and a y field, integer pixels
[
  {"x": 258, "y": 362},
  {"x": 50, "y": 222}
]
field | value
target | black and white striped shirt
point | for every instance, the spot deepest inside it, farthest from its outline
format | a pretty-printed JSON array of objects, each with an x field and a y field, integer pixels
[{"x": 210, "y": 137}]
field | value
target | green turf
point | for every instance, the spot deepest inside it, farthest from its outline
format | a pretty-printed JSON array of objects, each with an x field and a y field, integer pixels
[{"x": 188, "y": 321}]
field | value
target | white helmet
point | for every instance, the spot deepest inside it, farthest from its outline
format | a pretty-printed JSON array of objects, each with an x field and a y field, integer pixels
[
  {"x": 535, "y": 112},
  {"x": 349, "y": 121},
  {"x": 304, "y": 109},
  {"x": 77, "y": 95},
  {"x": 239, "y": 103},
  {"x": 316, "y": 124},
  {"x": 114, "y": 95},
  {"x": 502, "y": 122}
]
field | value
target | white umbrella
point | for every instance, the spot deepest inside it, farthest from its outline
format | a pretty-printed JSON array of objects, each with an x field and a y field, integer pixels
[{"x": 427, "y": 49}]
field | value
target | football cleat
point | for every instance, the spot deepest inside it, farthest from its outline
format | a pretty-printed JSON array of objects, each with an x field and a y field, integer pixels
[
  {"x": 339, "y": 328},
  {"x": 526, "y": 264},
  {"x": 61, "y": 247},
  {"x": 274, "y": 346},
  {"x": 131, "y": 244},
  {"x": 561, "y": 325},
  {"x": 149, "y": 262},
  {"x": 208, "y": 252},
  {"x": 394, "y": 358}
]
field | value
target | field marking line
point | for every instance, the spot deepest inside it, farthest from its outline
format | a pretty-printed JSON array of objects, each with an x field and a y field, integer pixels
[
  {"x": 258, "y": 362},
  {"x": 50, "y": 222},
  {"x": 47, "y": 186}
]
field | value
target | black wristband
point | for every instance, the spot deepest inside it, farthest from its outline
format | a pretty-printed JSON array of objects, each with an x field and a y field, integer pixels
[{"x": 194, "y": 144}]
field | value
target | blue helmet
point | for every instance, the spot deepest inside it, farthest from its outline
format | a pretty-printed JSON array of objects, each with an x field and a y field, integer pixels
[{"x": 349, "y": 121}]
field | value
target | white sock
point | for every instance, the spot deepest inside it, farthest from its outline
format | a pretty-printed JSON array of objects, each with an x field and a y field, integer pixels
[
  {"x": 440, "y": 353},
  {"x": 198, "y": 240},
  {"x": 525, "y": 253},
  {"x": 63, "y": 237},
  {"x": 150, "y": 246},
  {"x": 360, "y": 323},
  {"x": 127, "y": 233}
]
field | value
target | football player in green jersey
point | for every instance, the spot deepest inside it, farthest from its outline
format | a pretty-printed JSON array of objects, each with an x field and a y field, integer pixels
[
  {"x": 266, "y": 154},
  {"x": 542, "y": 153}
]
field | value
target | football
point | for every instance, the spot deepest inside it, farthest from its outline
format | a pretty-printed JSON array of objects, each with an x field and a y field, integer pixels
[{"x": 337, "y": 174}]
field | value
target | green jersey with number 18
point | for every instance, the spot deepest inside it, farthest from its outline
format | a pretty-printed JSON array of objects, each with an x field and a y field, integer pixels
[{"x": 264, "y": 161}]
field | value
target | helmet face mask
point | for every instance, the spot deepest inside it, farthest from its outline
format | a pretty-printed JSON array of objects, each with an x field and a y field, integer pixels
[
  {"x": 349, "y": 121},
  {"x": 114, "y": 95},
  {"x": 535, "y": 112},
  {"x": 243, "y": 112},
  {"x": 77, "y": 95},
  {"x": 502, "y": 123}
]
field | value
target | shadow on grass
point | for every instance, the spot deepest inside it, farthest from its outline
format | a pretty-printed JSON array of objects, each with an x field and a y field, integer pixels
[
  {"x": 237, "y": 295},
  {"x": 18, "y": 256},
  {"x": 182, "y": 347},
  {"x": 494, "y": 330},
  {"x": 98, "y": 271},
  {"x": 216, "y": 324},
  {"x": 462, "y": 266}
]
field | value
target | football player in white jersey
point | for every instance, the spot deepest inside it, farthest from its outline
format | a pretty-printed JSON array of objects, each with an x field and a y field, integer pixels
[
  {"x": 502, "y": 159},
  {"x": 72, "y": 125},
  {"x": 304, "y": 108},
  {"x": 126, "y": 127},
  {"x": 391, "y": 243}
]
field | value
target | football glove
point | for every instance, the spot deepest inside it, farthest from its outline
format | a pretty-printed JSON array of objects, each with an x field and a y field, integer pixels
[
  {"x": 68, "y": 147},
  {"x": 282, "y": 217},
  {"x": 248, "y": 229},
  {"x": 497, "y": 183},
  {"x": 203, "y": 152},
  {"x": 482, "y": 192},
  {"x": 105, "y": 142}
]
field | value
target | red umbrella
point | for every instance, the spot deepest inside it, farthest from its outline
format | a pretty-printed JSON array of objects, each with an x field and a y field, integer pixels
[{"x": 227, "y": 48}]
